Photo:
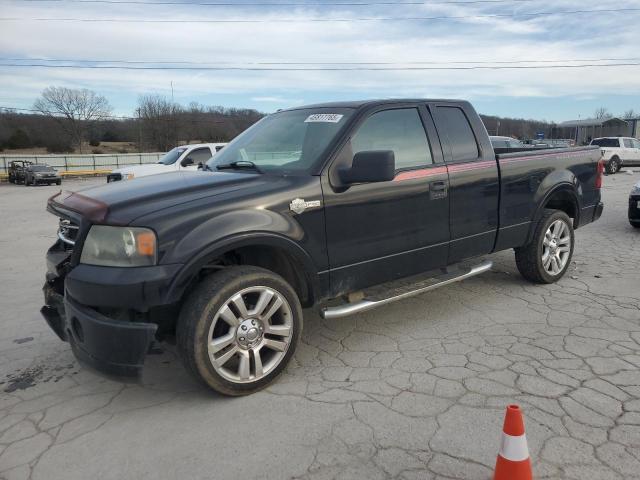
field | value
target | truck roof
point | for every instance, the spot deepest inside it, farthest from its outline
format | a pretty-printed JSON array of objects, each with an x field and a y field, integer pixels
[
  {"x": 202, "y": 145},
  {"x": 372, "y": 103},
  {"x": 609, "y": 138}
]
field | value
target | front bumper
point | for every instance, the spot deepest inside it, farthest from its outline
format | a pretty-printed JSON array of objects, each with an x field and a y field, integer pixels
[
  {"x": 103, "y": 312},
  {"x": 47, "y": 179},
  {"x": 110, "y": 346}
]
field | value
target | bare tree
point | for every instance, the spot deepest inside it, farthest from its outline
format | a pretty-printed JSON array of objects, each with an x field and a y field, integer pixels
[
  {"x": 629, "y": 114},
  {"x": 73, "y": 109},
  {"x": 159, "y": 121},
  {"x": 602, "y": 113}
]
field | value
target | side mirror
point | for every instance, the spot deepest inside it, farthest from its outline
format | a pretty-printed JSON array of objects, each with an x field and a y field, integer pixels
[
  {"x": 186, "y": 162},
  {"x": 370, "y": 166}
]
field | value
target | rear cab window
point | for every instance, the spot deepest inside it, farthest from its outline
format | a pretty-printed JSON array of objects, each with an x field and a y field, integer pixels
[{"x": 458, "y": 131}]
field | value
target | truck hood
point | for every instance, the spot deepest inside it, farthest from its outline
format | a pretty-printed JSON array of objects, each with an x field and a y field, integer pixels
[
  {"x": 118, "y": 203},
  {"x": 144, "y": 170}
]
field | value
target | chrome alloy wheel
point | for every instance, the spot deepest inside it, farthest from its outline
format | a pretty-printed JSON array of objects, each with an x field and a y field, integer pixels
[
  {"x": 250, "y": 334},
  {"x": 556, "y": 247}
]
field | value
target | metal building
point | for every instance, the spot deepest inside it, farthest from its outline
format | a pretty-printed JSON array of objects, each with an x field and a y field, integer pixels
[{"x": 583, "y": 131}]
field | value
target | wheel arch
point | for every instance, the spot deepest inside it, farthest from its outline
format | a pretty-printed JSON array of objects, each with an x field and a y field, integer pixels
[
  {"x": 564, "y": 198},
  {"x": 267, "y": 250}
]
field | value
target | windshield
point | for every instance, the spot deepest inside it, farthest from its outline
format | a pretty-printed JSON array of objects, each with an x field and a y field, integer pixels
[
  {"x": 285, "y": 142},
  {"x": 41, "y": 168},
  {"x": 606, "y": 142},
  {"x": 171, "y": 156}
]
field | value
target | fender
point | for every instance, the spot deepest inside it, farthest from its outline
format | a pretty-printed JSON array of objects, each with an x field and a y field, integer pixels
[
  {"x": 565, "y": 186},
  {"x": 221, "y": 246}
]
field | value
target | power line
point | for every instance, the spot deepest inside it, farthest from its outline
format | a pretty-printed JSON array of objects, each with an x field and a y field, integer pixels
[
  {"x": 423, "y": 62},
  {"x": 321, "y": 20},
  {"x": 286, "y": 4},
  {"x": 306, "y": 69}
]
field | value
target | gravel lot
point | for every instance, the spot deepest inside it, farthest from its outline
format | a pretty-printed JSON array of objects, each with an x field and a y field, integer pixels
[{"x": 416, "y": 389}]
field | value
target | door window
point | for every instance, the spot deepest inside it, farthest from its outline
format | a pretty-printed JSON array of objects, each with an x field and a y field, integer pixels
[
  {"x": 399, "y": 130},
  {"x": 636, "y": 143},
  {"x": 458, "y": 129},
  {"x": 627, "y": 143},
  {"x": 200, "y": 155}
]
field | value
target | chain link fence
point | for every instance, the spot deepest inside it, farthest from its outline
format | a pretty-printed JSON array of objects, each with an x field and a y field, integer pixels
[{"x": 70, "y": 163}]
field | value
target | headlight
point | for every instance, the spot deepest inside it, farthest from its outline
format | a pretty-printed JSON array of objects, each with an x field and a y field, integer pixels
[
  {"x": 129, "y": 176},
  {"x": 119, "y": 247}
]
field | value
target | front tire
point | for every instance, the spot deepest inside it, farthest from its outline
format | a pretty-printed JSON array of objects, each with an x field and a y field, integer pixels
[
  {"x": 238, "y": 329},
  {"x": 548, "y": 256},
  {"x": 613, "y": 166}
]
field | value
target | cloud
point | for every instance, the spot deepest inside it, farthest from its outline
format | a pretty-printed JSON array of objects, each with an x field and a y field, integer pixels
[{"x": 471, "y": 39}]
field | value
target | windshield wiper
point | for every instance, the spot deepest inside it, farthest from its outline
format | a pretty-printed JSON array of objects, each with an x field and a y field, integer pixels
[{"x": 238, "y": 165}]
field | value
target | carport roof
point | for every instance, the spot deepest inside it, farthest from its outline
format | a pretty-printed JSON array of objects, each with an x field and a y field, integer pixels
[{"x": 592, "y": 122}]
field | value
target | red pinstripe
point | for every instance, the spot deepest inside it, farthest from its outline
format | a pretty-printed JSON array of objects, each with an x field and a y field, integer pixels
[{"x": 422, "y": 173}]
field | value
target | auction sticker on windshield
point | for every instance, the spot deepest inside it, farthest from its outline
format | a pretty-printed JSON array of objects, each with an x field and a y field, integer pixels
[{"x": 324, "y": 117}]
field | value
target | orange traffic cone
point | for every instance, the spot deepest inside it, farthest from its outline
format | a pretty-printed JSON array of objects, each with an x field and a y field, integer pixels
[{"x": 513, "y": 461}]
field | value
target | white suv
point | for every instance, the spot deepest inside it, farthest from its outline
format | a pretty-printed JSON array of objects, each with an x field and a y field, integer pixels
[
  {"x": 618, "y": 151},
  {"x": 186, "y": 157}
]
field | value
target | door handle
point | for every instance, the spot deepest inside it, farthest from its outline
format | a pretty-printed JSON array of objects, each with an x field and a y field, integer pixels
[{"x": 438, "y": 190}]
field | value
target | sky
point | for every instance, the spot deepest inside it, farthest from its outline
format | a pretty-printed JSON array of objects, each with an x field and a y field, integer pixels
[{"x": 414, "y": 45}]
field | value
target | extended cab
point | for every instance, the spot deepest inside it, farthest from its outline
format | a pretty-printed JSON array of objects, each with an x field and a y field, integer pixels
[
  {"x": 187, "y": 157},
  {"x": 618, "y": 151},
  {"x": 365, "y": 201}
]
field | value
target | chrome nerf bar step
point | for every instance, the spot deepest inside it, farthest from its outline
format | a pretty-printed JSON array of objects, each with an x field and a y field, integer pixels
[{"x": 399, "y": 290}]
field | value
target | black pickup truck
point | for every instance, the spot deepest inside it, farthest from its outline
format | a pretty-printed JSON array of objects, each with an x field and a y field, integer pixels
[{"x": 342, "y": 205}]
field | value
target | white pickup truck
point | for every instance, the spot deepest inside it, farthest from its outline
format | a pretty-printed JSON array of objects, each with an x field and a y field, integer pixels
[
  {"x": 186, "y": 157},
  {"x": 618, "y": 151}
]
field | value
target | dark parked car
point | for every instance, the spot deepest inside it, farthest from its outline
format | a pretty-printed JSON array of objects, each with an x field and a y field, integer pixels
[
  {"x": 36, "y": 174},
  {"x": 370, "y": 202},
  {"x": 17, "y": 170},
  {"x": 634, "y": 206}
]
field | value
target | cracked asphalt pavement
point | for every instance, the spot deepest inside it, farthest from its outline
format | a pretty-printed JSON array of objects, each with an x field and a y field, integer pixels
[{"x": 413, "y": 390}]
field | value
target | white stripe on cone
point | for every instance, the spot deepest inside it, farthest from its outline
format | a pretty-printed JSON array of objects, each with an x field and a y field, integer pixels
[{"x": 514, "y": 448}]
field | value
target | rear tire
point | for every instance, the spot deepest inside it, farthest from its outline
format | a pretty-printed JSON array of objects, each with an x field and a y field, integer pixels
[
  {"x": 238, "y": 329},
  {"x": 58, "y": 182},
  {"x": 548, "y": 256}
]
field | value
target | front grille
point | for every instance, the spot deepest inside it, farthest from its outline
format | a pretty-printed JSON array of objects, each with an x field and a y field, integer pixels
[
  {"x": 114, "y": 177},
  {"x": 67, "y": 232}
]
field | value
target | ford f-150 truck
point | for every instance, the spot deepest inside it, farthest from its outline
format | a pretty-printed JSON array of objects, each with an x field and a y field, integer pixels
[{"x": 345, "y": 206}]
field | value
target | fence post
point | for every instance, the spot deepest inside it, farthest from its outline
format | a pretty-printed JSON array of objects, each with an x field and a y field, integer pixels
[
  {"x": 94, "y": 161},
  {"x": 66, "y": 165},
  {"x": 140, "y": 158}
]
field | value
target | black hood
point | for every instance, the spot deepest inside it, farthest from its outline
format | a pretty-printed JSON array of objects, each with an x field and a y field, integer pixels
[{"x": 123, "y": 201}]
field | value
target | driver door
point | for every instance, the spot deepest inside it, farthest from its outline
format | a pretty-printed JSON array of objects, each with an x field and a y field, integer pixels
[{"x": 382, "y": 231}]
